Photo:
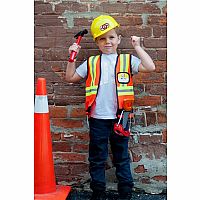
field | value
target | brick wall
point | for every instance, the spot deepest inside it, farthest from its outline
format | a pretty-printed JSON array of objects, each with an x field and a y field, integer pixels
[{"x": 56, "y": 22}]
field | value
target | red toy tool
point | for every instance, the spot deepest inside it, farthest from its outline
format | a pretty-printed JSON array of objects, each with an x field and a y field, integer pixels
[
  {"x": 121, "y": 128},
  {"x": 78, "y": 37}
]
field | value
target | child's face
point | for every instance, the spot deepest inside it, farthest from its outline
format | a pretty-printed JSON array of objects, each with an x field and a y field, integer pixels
[{"x": 108, "y": 42}]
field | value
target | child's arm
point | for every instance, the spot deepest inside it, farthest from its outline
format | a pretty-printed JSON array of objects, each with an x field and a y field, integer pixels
[
  {"x": 71, "y": 75},
  {"x": 147, "y": 64}
]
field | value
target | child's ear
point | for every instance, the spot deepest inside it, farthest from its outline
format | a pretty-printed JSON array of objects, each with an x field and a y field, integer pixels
[{"x": 119, "y": 39}]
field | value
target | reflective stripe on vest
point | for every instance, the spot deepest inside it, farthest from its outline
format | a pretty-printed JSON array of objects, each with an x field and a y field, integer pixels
[
  {"x": 123, "y": 90},
  {"x": 91, "y": 90},
  {"x": 92, "y": 83}
]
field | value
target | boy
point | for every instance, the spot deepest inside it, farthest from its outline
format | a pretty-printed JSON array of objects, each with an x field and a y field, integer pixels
[{"x": 108, "y": 83}]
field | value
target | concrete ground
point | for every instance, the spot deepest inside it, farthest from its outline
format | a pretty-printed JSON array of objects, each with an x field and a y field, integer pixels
[{"x": 85, "y": 195}]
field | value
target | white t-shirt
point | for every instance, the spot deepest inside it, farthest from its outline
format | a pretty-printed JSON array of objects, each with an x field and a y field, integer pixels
[{"x": 105, "y": 105}]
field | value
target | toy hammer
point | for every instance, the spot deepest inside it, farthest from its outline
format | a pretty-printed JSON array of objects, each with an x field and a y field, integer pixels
[{"x": 78, "y": 36}]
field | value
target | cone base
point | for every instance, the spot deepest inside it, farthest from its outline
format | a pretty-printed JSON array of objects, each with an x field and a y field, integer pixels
[{"x": 61, "y": 193}]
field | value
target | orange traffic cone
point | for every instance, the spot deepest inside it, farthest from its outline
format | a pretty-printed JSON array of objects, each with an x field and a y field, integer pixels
[{"x": 45, "y": 187}]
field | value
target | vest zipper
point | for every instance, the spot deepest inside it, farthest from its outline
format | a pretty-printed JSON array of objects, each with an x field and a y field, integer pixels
[{"x": 99, "y": 76}]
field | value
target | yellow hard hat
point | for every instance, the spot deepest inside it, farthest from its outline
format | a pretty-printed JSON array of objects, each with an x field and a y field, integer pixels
[{"x": 102, "y": 24}]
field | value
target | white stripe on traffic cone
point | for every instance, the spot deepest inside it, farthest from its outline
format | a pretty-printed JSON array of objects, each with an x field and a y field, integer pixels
[{"x": 41, "y": 104}]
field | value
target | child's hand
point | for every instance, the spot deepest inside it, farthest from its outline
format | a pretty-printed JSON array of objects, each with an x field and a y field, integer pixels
[
  {"x": 74, "y": 47},
  {"x": 135, "y": 41}
]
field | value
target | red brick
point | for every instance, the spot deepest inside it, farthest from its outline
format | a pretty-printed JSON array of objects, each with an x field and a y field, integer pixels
[
  {"x": 165, "y": 77},
  {"x": 55, "y": 54},
  {"x": 151, "y": 118},
  {"x": 138, "y": 88},
  {"x": 127, "y": 20},
  {"x": 51, "y": 77},
  {"x": 149, "y": 43},
  {"x": 147, "y": 101},
  {"x": 136, "y": 158},
  {"x": 69, "y": 136},
  {"x": 70, "y": 157},
  {"x": 146, "y": 150},
  {"x": 161, "y": 66},
  {"x": 125, "y": 43},
  {"x": 58, "y": 111},
  {"x": 157, "y": 32},
  {"x": 86, "y": 45},
  {"x": 162, "y": 54},
  {"x": 49, "y": 88},
  {"x": 48, "y": 42},
  {"x": 164, "y": 135},
  {"x": 42, "y": 8},
  {"x": 39, "y": 66},
  {"x": 85, "y": 53},
  {"x": 50, "y": 31},
  {"x": 83, "y": 136},
  {"x": 62, "y": 100},
  {"x": 155, "y": 42},
  {"x": 152, "y": 77},
  {"x": 62, "y": 146},
  {"x": 49, "y": 66},
  {"x": 150, "y": 139},
  {"x": 46, "y": 66},
  {"x": 69, "y": 90},
  {"x": 140, "y": 169},
  {"x": 152, "y": 53},
  {"x": 62, "y": 169},
  {"x": 57, "y": 66},
  {"x": 160, "y": 178},
  {"x": 81, "y": 148},
  {"x": 139, "y": 118},
  {"x": 38, "y": 54},
  {"x": 164, "y": 99},
  {"x": 79, "y": 168},
  {"x": 156, "y": 89},
  {"x": 81, "y": 22},
  {"x": 160, "y": 151},
  {"x": 86, "y": 39},
  {"x": 78, "y": 112},
  {"x": 128, "y": 31},
  {"x": 70, "y": 6},
  {"x": 160, "y": 31},
  {"x": 143, "y": 8},
  {"x": 47, "y": 20},
  {"x": 73, "y": 31},
  {"x": 165, "y": 10},
  {"x": 67, "y": 123},
  {"x": 157, "y": 20},
  {"x": 162, "y": 117},
  {"x": 109, "y": 8},
  {"x": 50, "y": 99},
  {"x": 68, "y": 179},
  {"x": 151, "y": 151},
  {"x": 55, "y": 136}
]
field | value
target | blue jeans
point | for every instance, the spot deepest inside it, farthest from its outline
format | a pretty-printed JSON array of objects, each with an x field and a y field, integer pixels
[{"x": 101, "y": 130}]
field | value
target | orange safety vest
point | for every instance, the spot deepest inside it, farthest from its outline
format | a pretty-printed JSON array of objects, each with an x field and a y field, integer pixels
[{"x": 123, "y": 79}]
